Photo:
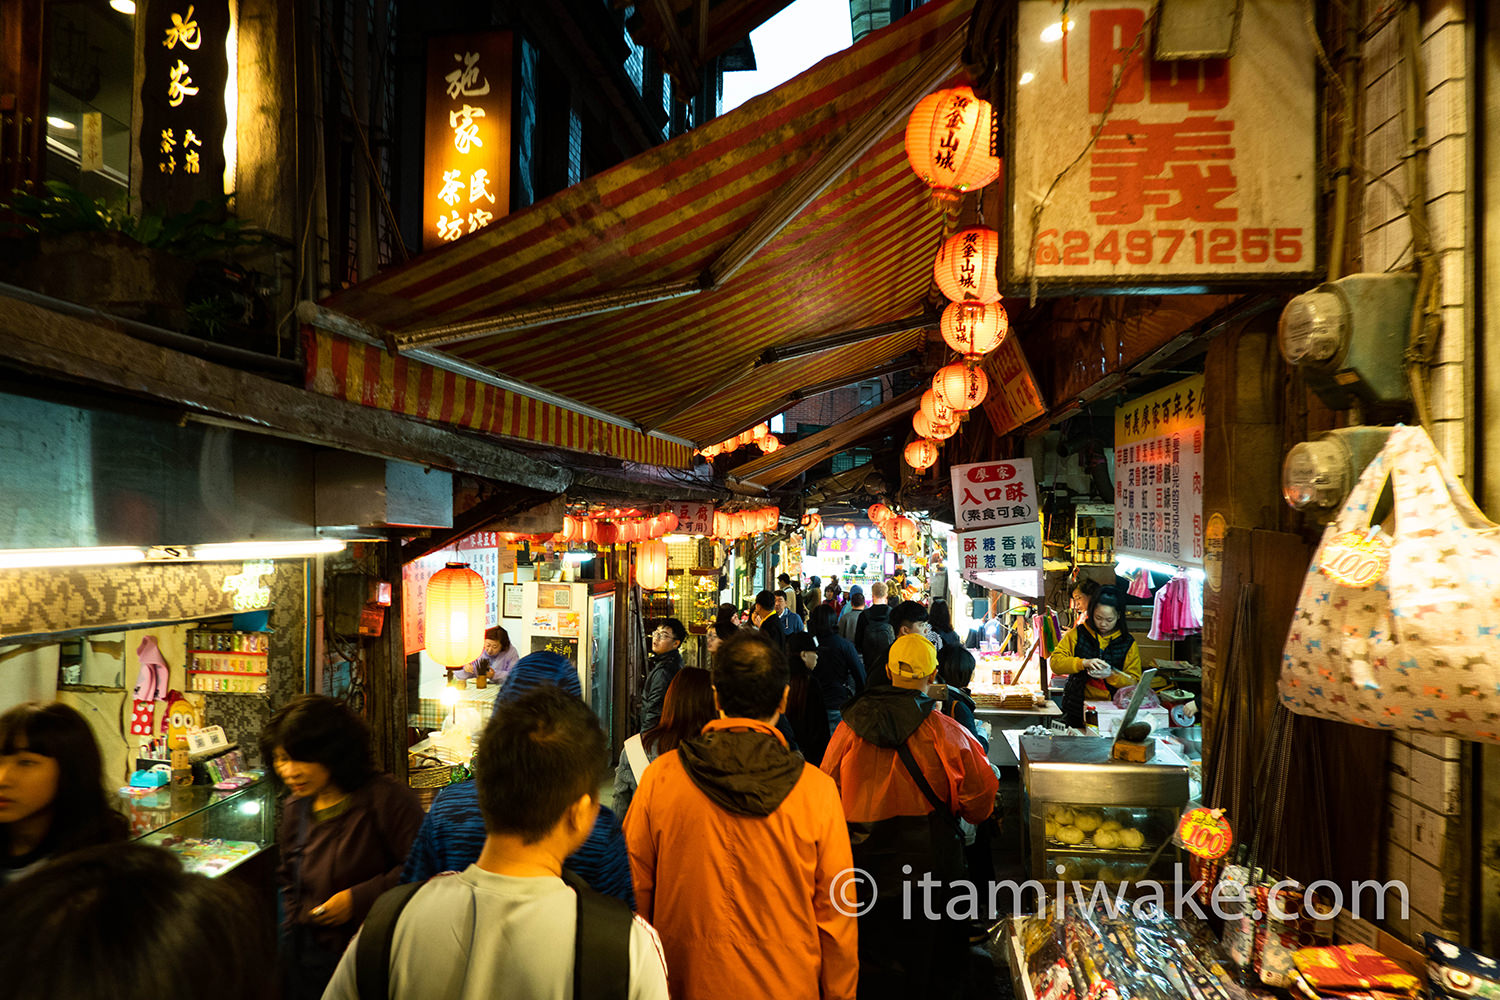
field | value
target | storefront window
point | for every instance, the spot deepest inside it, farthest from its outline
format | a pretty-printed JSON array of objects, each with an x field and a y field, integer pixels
[{"x": 90, "y": 70}]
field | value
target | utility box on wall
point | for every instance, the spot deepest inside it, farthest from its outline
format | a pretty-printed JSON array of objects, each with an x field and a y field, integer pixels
[{"x": 1349, "y": 337}]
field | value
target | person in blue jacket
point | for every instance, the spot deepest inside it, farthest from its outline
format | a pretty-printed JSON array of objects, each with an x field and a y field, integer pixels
[{"x": 453, "y": 833}]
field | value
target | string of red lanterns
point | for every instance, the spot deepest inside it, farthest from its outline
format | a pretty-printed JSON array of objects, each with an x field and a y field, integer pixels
[{"x": 759, "y": 435}]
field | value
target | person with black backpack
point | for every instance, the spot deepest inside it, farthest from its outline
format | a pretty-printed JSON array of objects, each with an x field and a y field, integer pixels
[{"x": 514, "y": 923}]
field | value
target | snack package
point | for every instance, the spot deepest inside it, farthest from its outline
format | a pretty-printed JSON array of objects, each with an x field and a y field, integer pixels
[
  {"x": 1456, "y": 973},
  {"x": 1354, "y": 968}
]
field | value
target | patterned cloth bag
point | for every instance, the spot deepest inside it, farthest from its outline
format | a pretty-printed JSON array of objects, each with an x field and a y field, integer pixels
[{"x": 1398, "y": 623}]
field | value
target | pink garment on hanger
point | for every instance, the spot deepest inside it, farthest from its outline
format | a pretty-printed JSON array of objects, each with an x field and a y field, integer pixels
[
  {"x": 1141, "y": 585},
  {"x": 151, "y": 682}
]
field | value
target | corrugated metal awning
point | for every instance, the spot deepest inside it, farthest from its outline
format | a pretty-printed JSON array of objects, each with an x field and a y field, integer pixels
[{"x": 646, "y": 295}]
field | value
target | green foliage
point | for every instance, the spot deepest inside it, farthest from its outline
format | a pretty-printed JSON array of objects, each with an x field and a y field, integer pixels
[{"x": 206, "y": 230}]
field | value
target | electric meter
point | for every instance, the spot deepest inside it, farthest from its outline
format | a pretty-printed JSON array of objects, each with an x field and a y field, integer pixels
[
  {"x": 1348, "y": 337},
  {"x": 1317, "y": 476}
]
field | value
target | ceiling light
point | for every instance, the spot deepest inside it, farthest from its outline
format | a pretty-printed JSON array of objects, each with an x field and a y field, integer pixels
[
  {"x": 60, "y": 123},
  {"x": 234, "y": 551},
  {"x": 123, "y": 6},
  {"x": 1054, "y": 32},
  {"x": 1027, "y": 77},
  {"x": 47, "y": 558}
]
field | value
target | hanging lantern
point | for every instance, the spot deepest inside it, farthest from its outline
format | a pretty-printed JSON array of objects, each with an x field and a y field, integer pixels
[
  {"x": 669, "y": 522},
  {"x": 710, "y": 452},
  {"x": 812, "y": 522},
  {"x": 651, "y": 565},
  {"x": 571, "y": 528},
  {"x": 455, "y": 615},
  {"x": 948, "y": 143},
  {"x": 769, "y": 443},
  {"x": 921, "y": 454},
  {"x": 746, "y": 437},
  {"x": 960, "y": 386},
  {"x": 605, "y": 533},
  {"x": 974, "y": 329},
  {"x": 775, "y": 518},
  {"x": 759, "y": 431},
  {"x": 941, "y": 432},
  {"x": 511, "y": 536},
  {"x": 589, "y": 531},
  {"x": 904, "y": 529},
  {"x": 965, "y": 266},
  {"x": 922, "y": 424},
  {"x": 879, "y": 513},
  {"x": 937, "y": 411}
]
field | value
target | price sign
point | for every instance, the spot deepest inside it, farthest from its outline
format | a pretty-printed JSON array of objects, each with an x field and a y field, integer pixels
[
  {"x": 1356, "y": 558},
  {"x": 1205, "y": 833}
]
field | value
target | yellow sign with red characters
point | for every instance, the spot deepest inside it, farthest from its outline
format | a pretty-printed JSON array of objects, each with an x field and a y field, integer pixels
[
  {"x": 1205, "y": 832},
  {"x": 1356, "y": 558}
]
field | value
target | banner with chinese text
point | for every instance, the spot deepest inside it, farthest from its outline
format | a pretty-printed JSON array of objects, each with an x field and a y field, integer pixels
[
  {"x": 466, "y": 174},
  {"x": 1200, "y": 168},
  {"x": 185, "y": 71},
  {"x": 1014, "y": 399},
  {"x": 694, "y": 518},
  {"x": 987, "y": 494},
  {"x": 1007, "y": 559},
  {"x": 1159, "y": 475}
]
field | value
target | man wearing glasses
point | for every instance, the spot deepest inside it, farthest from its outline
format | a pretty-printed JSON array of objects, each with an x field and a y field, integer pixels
[{"x": 661, "y": 667}]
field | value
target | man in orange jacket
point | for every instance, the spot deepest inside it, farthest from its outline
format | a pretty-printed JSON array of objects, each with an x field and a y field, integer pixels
[
  {"x": 898, "y": 761},
  {"x": 736, "y": 843}
]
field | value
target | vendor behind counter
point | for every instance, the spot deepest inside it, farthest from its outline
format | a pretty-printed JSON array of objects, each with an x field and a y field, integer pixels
[{"x": 1099, "y": 656}]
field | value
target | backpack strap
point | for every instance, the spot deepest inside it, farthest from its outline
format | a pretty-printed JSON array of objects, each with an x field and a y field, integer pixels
[
  {"x": 601, "y": 946},
  {"x": 904, "y": 750},
  {"x": 372, "y": 957}
]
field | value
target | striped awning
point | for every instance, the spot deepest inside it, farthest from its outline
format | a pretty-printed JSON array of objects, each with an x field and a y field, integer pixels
[
  {"x": 647, "y": 294},
  {"x": 770, "y": 471}
]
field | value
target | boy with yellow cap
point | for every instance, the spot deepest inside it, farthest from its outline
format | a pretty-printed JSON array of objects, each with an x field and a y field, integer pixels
[{"x": 905, "y": 773}]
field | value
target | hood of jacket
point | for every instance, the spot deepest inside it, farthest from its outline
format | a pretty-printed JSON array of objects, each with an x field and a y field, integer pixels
[
  {"x": 877, "y": 614},
  {"x": 886, "y": 715},
  {"x": 744, "y": 769}
]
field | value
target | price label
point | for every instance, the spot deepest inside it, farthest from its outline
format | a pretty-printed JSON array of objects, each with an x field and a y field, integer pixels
[
  {"x": 1205, "y": 833},
  {"x": 1356, "y": 558}
]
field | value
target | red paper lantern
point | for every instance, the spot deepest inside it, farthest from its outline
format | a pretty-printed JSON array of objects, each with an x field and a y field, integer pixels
[
  {"x": 812, "y": 522},
  {"x": 937, "y": 411},
  {"x": 948, "y": 143},
  {"x": 710, "y": 452},
  {"x": 455, "y": 621},
  {"x": 960, "y": 386},
  {"x": 769, "y": 443},
  {"x": 965, "y": 266},
  {"x": 605, "y": 533},
  {"x": 879, "y": 513},
  {"x": 974, "y": 329},
  {"x": 759, "y": 431},
  {"x": 921, "y": 454},
  {"x": 904, "y": 530},
  {"x": 571, "y": 528},
  {"x": 669, "y": 522},
  {"x": 651, "y": 565}
]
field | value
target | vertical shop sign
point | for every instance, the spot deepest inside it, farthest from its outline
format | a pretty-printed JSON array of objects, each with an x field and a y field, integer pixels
[
  {"x": 1007, "y": 559},
  {"x": 694, "y": 518},
  {"x": 1014, "y": 399},
  {"x": 1159, "y": 475},
  {"x": 988, "y": 494},
  {"x": 1199, "y": 167},
  {"x": 183, "y": 116},
  {"x": 466, "y": 183}
]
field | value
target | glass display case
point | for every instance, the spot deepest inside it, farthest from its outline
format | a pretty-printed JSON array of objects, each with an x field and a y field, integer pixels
[
  {"x": 211, "y": 831},
  {"x": 1099, "y": 819}
]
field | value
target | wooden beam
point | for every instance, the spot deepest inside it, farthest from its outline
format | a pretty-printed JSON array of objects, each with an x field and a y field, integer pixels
[
  {"x": 38, "y": 340},
  {"x": 476, "y": 518}
]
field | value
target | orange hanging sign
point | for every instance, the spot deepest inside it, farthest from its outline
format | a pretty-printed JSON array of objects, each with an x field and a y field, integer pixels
[
  {"x": 1205, "y": 833},
  {"x": 1356, "y": 558}
]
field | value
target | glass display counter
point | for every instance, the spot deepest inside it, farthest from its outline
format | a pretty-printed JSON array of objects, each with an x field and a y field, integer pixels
[{"x": 211, "y": 831}]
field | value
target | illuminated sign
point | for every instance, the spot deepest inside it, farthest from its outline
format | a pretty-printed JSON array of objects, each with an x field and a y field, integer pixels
[
  {"x": 184, "y": 115},
  {"x": 466, "y": 183},
  {"x": 990, "y": 494},
  {"x": 1159, "y": 475},
  {"x": 1124, "y": 169}
]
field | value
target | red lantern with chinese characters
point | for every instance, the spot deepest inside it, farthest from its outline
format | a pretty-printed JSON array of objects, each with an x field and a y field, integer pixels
[
  {"x": 759, "y": 431},
  {"x": 710, "y": 452},
  {"x": 455, "y": 615},
  {"x": 940, "y": 432},
  {"x": 965, "y": 266},
  {"x": 904, "y": 530},
  {"x": 960, "y": 386},
  {"x": 974, "y": 329},
  {"x": 948, "y": 143},
  {"x": 668, "y": 521},
  {"x": 774, "y": 519},
  {"x": 651, "y": 565},
  {"x": 769, "y": 443},
  {"x": 921, "y": 454},
  {"x": 812, "y": 522},
  {"x": 937, "y": 411},
  {"x": 879, "y": 513}
]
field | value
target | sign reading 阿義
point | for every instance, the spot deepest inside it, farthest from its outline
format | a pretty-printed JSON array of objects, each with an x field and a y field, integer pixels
[
  {"x": 1159, "y": 475},
  {"x": 466, "y": 183},
  {"x": 1200, "y": 168}
]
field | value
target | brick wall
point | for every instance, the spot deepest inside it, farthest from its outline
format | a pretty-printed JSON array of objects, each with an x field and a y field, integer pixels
[{"x": 1423, "y": 837}]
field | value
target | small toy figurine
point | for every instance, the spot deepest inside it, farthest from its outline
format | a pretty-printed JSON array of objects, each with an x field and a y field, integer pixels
[{"x": 181, "y": 717}]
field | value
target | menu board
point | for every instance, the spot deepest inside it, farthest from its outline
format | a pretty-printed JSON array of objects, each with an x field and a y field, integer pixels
[{"x": 1159, "y": 475}]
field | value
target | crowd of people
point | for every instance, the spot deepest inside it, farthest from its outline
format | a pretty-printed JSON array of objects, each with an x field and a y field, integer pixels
[{"x": 817, "y": 741}]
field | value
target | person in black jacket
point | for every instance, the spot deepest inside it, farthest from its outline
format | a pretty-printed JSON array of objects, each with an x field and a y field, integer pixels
[
  {"x": 956, "y": 669},
  {"x": 763, "y": 616},
  {"x": 840, "y": 672},
  {"x": 804, "y": 700},
  {"x": 941, "y": 620},
  {"x": 661, "y": 667}
]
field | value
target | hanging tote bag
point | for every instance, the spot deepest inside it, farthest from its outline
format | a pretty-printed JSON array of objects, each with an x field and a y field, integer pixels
[{"x": 1398, "y": 625}]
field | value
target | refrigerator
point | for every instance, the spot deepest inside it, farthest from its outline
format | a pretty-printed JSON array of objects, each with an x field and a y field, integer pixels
[{"x": 576, "y": 621}]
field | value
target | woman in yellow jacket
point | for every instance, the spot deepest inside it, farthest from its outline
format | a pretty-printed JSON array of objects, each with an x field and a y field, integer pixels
[{"x": 1099, "y": 653}]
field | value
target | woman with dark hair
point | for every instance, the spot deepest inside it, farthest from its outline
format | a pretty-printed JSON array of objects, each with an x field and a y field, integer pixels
[
  {"x": 805, "y": 709},
  {"x": 125, "y": 922},
  {"x": 956, "y": 670},
  {"x": 941, "y": 621},
  {"x": 344, "y": 836},
  {"x": 1078, "y": 601},
  {"x": 840, "y": 672},
  {"x": 1098, "y": 653},
  {"x": 689, "y": 706},
  {"x": 52, "y": 798}
]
